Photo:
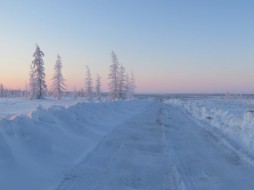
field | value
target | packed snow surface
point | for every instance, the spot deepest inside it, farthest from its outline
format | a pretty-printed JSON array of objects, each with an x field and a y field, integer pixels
[
  {"x": 10, "y": 107},
  {"x": 37, "y": 147},
  {"x": 136, "y": 144},
  {"x": 160, "y": 148}
]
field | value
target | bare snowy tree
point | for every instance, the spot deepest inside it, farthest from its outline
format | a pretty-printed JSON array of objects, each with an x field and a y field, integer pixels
[
  {"x": 113, "y": 77},
  {"x": 75, "y": 94},
  {"x": 98, "y": 88},
  {"x": 2, "y": 90},
  {"x": 127, "y": 86},
  {"x": 38, "y": 87},
  {"x": 58, "y": 85},
  {"x": 121, "y": 83},
  {"x": 81, "y": 92},
  {"x": 132, "y": 85},
  {"x": 31, "y": 83},
  {"x": 88, "y": 85},
  {"x": 26, "y": 91}
]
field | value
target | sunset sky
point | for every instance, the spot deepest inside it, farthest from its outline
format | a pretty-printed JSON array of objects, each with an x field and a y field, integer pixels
[{"x": 173, "y": 46}]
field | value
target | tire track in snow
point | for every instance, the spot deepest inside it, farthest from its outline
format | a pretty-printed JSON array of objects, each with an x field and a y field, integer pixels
[
  {"x": 202, "y": 159},
  {"x": 182, "y": 172},
  {"x": 133, "y": 156},
  {"x": 173, "y": 177},
  {"x": 78, "y": 175},
  {"x": 161, "y": 149}
]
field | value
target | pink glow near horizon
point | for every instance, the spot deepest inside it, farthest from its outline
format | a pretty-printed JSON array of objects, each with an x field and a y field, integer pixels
[
  {"x": 171, "y": 46},
  {"x": 144, "y": 84}
]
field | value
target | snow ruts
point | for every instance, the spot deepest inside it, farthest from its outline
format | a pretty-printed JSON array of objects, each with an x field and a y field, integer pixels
[
  {"x": 133, "y": 156},
  {"x": 160, "y": 149}
]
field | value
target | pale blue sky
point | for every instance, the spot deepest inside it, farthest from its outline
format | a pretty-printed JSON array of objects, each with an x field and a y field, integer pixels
[{"x": 172, "y": 46}]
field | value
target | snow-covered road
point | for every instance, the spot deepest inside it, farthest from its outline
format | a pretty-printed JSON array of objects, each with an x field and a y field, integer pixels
[{"x": 161, "y": 148}]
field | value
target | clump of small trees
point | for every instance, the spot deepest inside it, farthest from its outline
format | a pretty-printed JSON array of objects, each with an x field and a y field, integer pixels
[
  {"x": 121, "y": 86},
  {"x": 7, "y": 92},
  {"x": 37, "y": 84}
]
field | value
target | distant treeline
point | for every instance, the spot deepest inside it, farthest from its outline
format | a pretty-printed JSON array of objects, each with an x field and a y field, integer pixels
[{"x": 121, "y": 84}]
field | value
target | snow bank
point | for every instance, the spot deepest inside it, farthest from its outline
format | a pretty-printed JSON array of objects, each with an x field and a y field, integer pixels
[
  {"x": 36, "y": 148},
  {"x": 15, "y": 106},
  {"x": 233, "y": 117}
]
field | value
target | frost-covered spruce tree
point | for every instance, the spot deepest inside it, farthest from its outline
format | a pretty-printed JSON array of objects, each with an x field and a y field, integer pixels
[
  {"x": 88, "y": 85},
  {"x": 31, "y": 83},
  {"x": 132, "y": 85},
  {"x": 58, "y": 85},
  {"x": 98, "y": 88},
  {"x": 113, "y": 77},
  {"x": 121, "y": 83},
  {"x": 75, "y": 94},
  {"x": 2, "y": 90},
  {"x": 37, "y": 75},
  {"x": 81, "y": 92},
  {"x": 127, "y": 86}
]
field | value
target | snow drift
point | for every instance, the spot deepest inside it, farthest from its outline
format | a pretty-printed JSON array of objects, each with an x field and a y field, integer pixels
[
  {"x": 36, "y": 148},
  {"x": 233, "y": 117}
]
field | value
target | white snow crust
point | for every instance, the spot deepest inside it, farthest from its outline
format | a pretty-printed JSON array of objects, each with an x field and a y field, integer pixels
[
  {"x": 232, "y": 117},
  {"x": 40, "y": 140},
  {"x": 183, "y": 143}
]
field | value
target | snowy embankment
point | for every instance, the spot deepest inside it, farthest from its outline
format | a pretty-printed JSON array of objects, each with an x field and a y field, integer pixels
[
  {"x": 233, "y": 117},
  {"x": 36, "y": 148},
  {"x": 10, "y": 107}
]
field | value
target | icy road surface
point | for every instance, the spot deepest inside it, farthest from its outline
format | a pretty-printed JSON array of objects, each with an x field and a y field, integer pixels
[{"x": 161, "y": 148}]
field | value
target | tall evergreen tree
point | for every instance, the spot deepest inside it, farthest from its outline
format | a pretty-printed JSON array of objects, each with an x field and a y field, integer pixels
[
  {"x": 58, "y": 85},
  {"x": 2, "y": 90},
  {"x": 88, "y": 85},
  {"x": 113, "y": 77},
  {"x": 37, "y": 75},
  {"x": 31, "y": 83},
  {"x": 98, "y": 88},
  {"x": 127, "y": 86},
  {"x": 132, "y": 84},
  {"x": 121, "y": 83}
]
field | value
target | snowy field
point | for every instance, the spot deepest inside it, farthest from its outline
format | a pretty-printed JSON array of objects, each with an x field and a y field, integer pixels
[
  {"x": 39, "y": 143},
  {"x": 11, "y": 107},
  {"x": 181, "y": 143},
  {"x": 232, "y": 117}
]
